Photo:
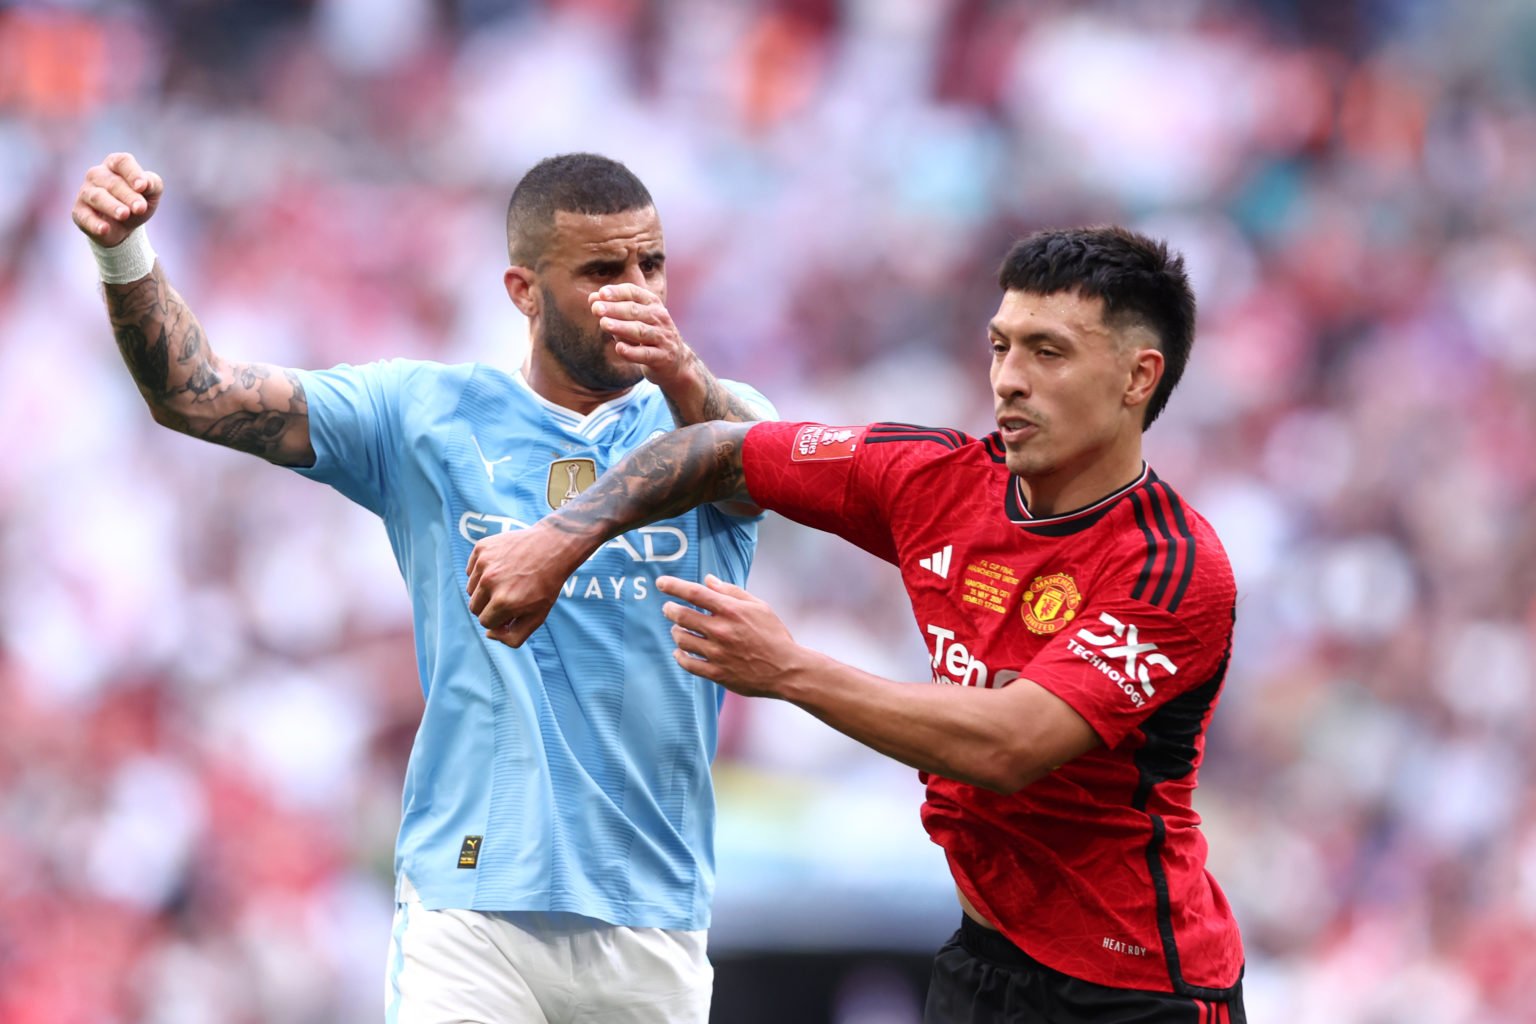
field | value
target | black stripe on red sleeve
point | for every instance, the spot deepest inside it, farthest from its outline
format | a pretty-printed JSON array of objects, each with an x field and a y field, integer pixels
[
  {"x": 879, "y": 432},
  {"x": 915, "y": 428},
  {"x": 1187, "y": 568},
  {"x": 1170, "y": 544},
  {"x": 1170, "y": 563},
  {"x": 1146, "y": 532}
]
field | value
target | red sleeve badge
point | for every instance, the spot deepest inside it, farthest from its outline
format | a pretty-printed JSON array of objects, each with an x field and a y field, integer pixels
[{"x": 816, "y": 443}]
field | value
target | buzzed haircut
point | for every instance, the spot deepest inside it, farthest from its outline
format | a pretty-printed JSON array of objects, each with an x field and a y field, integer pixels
[
  {"x": 1139, "y": 280},
  {"x": 574, "y": 182}
]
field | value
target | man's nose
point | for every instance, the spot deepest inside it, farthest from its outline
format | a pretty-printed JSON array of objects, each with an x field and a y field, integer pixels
[
  {"x": 1011, "y": 376},
  {"x": 633, "y": 274}
]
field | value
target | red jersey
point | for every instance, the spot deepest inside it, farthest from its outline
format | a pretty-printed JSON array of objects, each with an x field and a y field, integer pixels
[{"x": 1124, "y": 610}]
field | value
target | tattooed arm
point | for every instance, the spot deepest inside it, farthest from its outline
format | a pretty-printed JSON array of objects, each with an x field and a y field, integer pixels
[
  {"x": 252, "y": 407},
  {"x": 515, "y": 577},
  {"x": 703, "y": 398}
]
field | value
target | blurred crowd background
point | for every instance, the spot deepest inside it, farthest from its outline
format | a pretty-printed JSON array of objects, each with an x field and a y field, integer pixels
[{"x": 207, "y": 692}]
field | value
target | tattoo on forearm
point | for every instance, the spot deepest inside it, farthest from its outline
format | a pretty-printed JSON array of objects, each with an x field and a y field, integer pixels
[
  {"x": 202, "y": 379},
  {"x": 716, "y": 402},
  {"x": 242, "y": 406},
  {"x": 254, "y": 432},
  {"x": 192, "y": 345},
  {"x": 668, "y": 476},
  {"x": 250, "y": 374},
  {"x": 146, "y": 360}
]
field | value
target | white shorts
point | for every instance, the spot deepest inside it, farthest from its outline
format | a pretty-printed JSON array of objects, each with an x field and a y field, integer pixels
[{"x": 472, "y": 967}]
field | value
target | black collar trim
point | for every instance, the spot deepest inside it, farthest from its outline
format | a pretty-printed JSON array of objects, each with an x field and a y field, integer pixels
[{"x": 1068, "y": 522}]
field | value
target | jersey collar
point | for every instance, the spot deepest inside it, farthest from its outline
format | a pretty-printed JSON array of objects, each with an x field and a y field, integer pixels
[
  {"x": 593, "y": 423},
  {"x": 1067, "y": 522}
]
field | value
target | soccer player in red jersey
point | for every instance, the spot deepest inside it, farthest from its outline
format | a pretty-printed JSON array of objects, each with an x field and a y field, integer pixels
[{"x": 1078, "y": 611}]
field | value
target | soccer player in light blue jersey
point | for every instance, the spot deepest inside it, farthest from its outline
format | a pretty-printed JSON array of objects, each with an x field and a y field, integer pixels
[{"x": 555, "y": 856}]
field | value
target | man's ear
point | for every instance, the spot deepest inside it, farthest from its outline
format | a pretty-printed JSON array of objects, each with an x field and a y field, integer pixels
[
  {"x": 1146, "y": 372},
  {"x": 522, "y": 288}
]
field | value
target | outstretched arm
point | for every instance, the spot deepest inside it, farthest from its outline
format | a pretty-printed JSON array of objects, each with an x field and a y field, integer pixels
[
  {"x": 1001, "y": 739},
  {"x": 251, "y": 407},
  {"x": 515, "y": 577}
]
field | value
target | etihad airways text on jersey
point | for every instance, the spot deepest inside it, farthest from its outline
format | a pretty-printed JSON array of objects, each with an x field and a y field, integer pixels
[{"x": 647, "y": 544}]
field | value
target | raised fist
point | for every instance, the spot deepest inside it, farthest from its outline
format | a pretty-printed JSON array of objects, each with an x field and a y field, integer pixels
[{"x": 117, "y": 196}]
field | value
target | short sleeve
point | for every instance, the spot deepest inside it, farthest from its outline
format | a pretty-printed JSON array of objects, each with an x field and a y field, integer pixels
[
  {"x": 823, "y": 477},
  {"x": 1123, "y": 659},
  {"x": 753, "y": 397},
  {"x": 354, "y": 428},
  {"x": 745, "y": 539}
]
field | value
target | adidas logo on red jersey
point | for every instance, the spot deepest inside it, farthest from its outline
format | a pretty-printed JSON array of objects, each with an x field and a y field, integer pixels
[{"x": 938, "y": 562}]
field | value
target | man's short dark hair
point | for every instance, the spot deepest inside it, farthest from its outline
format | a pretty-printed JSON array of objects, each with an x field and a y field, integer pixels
[
  {"x": 574, "y": 182},
  {"x": 1139, "y": 280}
]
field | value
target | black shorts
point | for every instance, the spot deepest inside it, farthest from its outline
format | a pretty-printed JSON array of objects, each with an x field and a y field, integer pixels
[{"x": 979, "y": 977}]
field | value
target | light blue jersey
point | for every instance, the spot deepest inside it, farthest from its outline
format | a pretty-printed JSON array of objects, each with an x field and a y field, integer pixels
[{"x": 572, "y": 774}]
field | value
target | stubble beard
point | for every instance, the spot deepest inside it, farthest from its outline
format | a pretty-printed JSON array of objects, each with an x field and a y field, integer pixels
[
  {"x": 582, "y": 353},
  {"x": 1025, "y": 465}
]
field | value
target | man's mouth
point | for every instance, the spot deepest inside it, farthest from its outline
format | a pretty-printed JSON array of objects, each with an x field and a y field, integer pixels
[{"x": 1014, "y": 429}]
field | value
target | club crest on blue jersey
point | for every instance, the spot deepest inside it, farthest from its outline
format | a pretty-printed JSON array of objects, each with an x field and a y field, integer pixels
[{"x": 568, "y": 478}]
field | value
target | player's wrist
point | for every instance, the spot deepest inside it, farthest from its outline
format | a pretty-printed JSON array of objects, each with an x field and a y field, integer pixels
[
  {"x": 682, "y": 382},
  {"x": 796, "y": 678},
  {"x": 569, "y": 542},
  {"x": 130, "y": 260}
]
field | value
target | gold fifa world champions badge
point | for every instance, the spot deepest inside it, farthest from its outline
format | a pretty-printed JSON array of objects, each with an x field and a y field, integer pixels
[
  {"x": 1050, "y": 603},
  {"x": 568, "y": 478}
]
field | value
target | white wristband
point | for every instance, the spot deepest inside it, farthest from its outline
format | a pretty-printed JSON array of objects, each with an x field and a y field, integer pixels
[{"x": 129, "y": 260}]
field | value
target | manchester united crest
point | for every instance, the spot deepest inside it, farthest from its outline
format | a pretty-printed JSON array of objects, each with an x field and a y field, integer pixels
[
  {"x": 568, "y": 478},
  {"x": 1050, "y": 603}
]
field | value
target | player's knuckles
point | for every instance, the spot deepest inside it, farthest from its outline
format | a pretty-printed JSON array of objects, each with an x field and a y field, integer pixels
[
  {"x": 97, "y": 198},
  {"x": 127, "y": 165},
  {"x": 105, "y": 180},
  {"x": 630, "y": 292},
  {"x": 630, "y": 311}
]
